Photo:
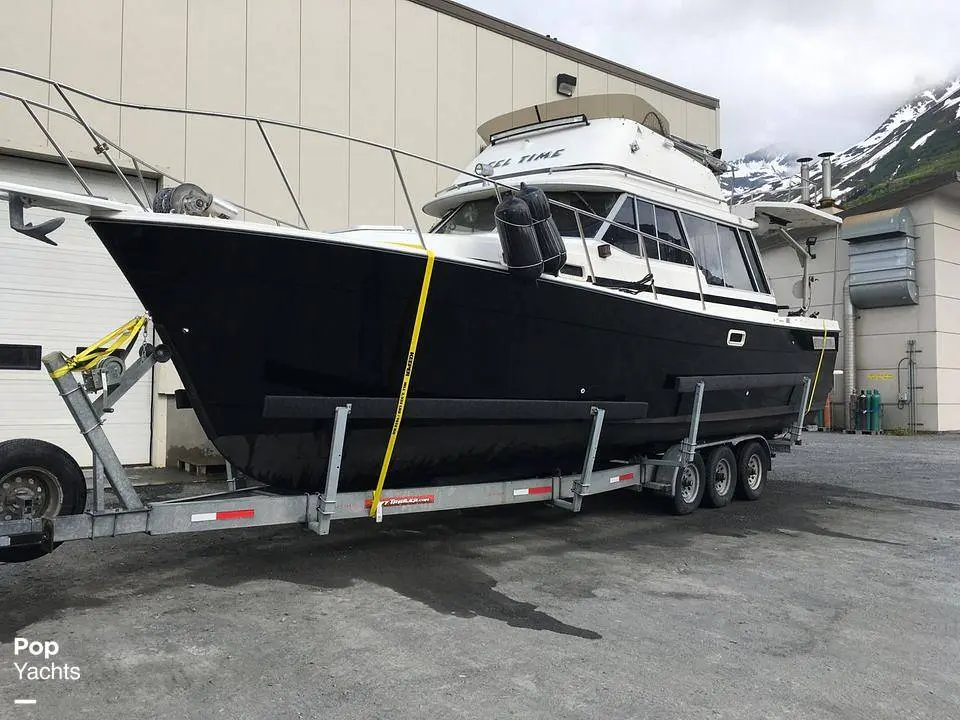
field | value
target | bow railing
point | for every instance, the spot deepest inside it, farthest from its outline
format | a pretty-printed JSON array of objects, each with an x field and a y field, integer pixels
[{"x": 103, "y": 146}]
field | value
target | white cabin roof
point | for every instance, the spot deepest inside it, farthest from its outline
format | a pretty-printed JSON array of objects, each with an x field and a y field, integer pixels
[{"x": 615, "y": 153}]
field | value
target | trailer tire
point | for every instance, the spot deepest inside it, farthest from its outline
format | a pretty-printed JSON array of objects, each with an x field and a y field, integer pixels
[
  {"x": 753, "y": 461},
  {"x": 721, "y": 477},
  {"x": 44, "y": 474},
  {"x": 691, "y": 480}
]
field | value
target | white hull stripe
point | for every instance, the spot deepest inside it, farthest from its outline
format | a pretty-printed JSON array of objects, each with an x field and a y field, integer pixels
[{"x": 222, "y": 515}]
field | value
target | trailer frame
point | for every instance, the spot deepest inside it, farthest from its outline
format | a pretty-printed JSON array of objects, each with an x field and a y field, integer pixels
[{"x": 260, "y": 506}]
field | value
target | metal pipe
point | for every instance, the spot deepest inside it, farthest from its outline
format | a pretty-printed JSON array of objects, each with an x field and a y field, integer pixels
[
  {"x": 498, "y": 185},
  {"x": 103, "y": 142},
  {"x": 805, "y": 179},
  {"x": 643, "y": 250},
  {"x": 586, "y": 250},
  {"x": 804, "y": 258},
  {"x": 60, "y": 152},
  {"x": 135, "y": 158},
  {"x": 276, "y": 160},
  {"x": 100, "y": 148},
  {"x": 143, "y": 183},
  {"x": 413, "y": 212},
  {"x": 826, "y": 170},
  {"x": 849, "y": 343}
]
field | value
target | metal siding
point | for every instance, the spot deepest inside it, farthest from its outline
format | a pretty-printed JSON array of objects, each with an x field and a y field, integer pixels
[
  {"x": 28, "y": 51},
  {"x": 325, "y": 104},
  {"x": 372, "y": 110},
  {"x": 61, "y": 298},
  {"x": 416, "y": 122}
]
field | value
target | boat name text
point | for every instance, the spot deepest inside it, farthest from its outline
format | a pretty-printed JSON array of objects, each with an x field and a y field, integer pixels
[{"x": 533, "y": 157}]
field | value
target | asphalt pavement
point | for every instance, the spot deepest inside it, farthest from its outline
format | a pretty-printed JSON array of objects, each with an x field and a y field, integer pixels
[{"x": 834, "y": 596}]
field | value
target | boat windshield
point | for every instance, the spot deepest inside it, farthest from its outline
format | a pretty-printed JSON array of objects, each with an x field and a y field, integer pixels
[{"x": 476, "y": 216}]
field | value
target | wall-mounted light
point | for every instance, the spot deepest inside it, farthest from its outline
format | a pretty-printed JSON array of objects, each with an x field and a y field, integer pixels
[{"x": 566, "y": 84}]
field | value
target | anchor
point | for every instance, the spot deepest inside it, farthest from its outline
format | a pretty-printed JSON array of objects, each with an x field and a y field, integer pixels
[{"x": 38, "y": 232}]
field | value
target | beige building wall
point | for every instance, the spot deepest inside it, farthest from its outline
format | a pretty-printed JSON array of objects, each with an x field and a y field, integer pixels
[
  {"x": 395, "y": 72},
  {"x": 882, "y": 333},
  {"x": 391, "y": 71}
]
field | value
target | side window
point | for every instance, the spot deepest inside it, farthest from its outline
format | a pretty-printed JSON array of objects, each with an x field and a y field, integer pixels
[
  {"x": 647, "y": 224},
  {"x": 668, "y": 228},
  {"x": 754, "y": 261},
  {"x": 735, "y": 272},
  {"x": 703, "y": 240},
  {"x": 598, "y": 203},
  {"x": 624, "y": 239}
]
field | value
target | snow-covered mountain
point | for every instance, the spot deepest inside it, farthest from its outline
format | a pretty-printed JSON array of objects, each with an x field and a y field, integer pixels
[{"x": 919, "y": 138}]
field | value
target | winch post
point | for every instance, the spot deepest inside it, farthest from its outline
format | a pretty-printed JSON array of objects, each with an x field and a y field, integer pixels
[
  {"x": 130, "y": 377},
  {"x": 89, "y": 421}
]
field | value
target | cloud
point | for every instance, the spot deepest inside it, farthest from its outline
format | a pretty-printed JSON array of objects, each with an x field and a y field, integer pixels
[{"x": 810, "y": 75}]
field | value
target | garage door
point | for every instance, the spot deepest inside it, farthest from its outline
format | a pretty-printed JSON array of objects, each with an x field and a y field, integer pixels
[{"x": 60, "y": 298}]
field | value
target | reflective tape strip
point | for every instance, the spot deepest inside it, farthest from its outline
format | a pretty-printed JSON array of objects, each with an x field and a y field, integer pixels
[
  {"x": 543, "y": 490},
  {"x": 222, "y": 515},
  {"x": 621, "y": 478}
]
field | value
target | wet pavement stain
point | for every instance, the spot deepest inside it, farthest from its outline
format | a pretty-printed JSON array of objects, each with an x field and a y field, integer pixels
[{"x": 441, "y": 560}]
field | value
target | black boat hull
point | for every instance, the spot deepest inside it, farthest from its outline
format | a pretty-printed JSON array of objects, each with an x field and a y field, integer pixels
[{"x": 270, "y": 332}]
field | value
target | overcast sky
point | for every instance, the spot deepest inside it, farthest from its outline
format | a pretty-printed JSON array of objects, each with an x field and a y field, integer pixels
[{"x": 811, "y": 75}]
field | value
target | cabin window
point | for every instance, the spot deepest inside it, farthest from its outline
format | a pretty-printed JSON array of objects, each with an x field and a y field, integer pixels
[
  {"x": 753, "y": 260},
  {"x": 647, "y": 224},
  {"x": 732, "y": 256},
  {"x": 598, "y": 203},
  {"x": 619, "y": 237},
  {"x": 476, "y": 216},
  {"x": 668, "y": 230},
  {"x": 471, "y": 217},
  {"x": 703, "y": 240}
]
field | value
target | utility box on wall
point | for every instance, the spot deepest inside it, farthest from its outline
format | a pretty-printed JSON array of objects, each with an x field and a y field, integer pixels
[{"x": 883, "y": 259}]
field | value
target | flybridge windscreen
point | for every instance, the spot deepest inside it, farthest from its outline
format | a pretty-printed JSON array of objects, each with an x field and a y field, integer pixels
[{"x": 476, "y": 216}]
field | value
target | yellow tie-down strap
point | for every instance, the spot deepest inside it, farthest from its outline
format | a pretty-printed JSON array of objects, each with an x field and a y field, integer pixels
[
  {"x": 106, "y": 345},
  {"x": 375, "y": 510},
  {"x": 823, "y": 347}
]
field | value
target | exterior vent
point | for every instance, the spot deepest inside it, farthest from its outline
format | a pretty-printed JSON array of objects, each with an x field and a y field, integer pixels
[{"x": 883, "y": 259}]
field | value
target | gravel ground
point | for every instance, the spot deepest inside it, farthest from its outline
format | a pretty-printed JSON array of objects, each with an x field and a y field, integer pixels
[{"x": 835, "y": 596}]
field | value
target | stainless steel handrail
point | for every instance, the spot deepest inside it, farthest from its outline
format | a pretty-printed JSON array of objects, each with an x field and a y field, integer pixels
[{"x": 102, "y": 145}]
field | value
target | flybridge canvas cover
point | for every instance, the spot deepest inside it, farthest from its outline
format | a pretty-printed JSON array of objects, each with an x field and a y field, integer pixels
[{"x": 625, "y": 106}]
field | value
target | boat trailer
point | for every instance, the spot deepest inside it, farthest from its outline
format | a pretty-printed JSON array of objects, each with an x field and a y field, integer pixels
[{"x": 105, "y": 380}]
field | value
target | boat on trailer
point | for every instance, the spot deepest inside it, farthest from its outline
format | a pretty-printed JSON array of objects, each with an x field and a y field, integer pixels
[{"x": 458, "y": 365}]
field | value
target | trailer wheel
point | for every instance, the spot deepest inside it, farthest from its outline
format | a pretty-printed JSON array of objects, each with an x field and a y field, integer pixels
[
  {"x": 37, "y": 479},
  {"x": 690, "y": 486},
  {"x": 721, "y": 477},
  {"x": 752, "y": 464}
]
